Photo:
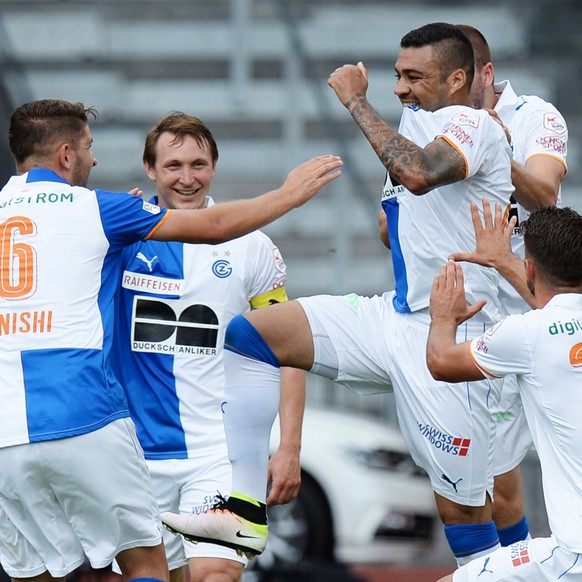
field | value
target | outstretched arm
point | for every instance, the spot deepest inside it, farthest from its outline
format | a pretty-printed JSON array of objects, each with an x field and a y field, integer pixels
[
  {"x": 493, "y": 249},
  {"x": 417, "y": 169},
  {"x": 447, "y": 360},
  {"x": 284, "y": 465},
  {"x": 229, "y": 220}
]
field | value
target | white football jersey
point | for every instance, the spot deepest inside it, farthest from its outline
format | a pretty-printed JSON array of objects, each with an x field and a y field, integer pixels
[
  {"x": 424, "y": 230},
  {"x": 173, "y": 307},
  {"x": 543, "y": 347},
  {"x": 60, "y": 268},
  {"x": 537, "y": 129}
]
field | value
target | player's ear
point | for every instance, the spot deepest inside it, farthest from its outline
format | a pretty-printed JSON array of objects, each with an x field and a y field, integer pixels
[
  {"x": 150, "y": 171},
  {"x": 457, "y": 80},
  {"x": 531, "y": 274},
  {"x": 488, "y": 74},
  {"x": 64, "y": 155}
]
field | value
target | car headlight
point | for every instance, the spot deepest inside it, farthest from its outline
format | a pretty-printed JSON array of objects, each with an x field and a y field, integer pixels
[{"x": 386, "y": 460}]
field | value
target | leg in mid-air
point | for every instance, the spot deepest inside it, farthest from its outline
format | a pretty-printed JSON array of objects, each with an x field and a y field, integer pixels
[{"x": 353, "y": 340}]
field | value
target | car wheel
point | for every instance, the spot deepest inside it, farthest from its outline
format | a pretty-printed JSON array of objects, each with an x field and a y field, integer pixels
[{"x": 299, "y": 530}]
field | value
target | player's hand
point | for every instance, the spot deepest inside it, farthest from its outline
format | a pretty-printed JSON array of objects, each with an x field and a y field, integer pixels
[
  {"x": 349, "y": 81},
  {"x": 136, "y": 192},
  {"x": 496, "y": 117},
  {"x": 309, "y": 178},
  {"x": 447, "y": 297},
  {"x": 493, "y": 237},
  {"x": 284, "y": 477}
]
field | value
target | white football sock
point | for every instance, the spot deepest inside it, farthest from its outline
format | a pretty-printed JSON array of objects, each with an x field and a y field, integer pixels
[{"x": 251, "y": 398}]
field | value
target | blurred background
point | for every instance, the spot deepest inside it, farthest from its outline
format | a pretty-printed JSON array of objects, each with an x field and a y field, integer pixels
[{"x": 256, "y": 72}]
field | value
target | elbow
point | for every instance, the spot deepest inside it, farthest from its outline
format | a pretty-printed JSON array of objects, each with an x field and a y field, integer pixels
[
  {"x": 222, "y": 231},
  {"x": 436, "y": 371},
  {"x": 415, "y": 183},
  {"x": 433, "y": 363},
  {"x": 439, "y": 368}
]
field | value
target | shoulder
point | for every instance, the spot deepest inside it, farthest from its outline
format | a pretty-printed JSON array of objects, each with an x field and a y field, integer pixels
[
  {"x": 469, "y": 119},
  {"x": 531, "y": 105},
  {"x": 255, "y": 239}
]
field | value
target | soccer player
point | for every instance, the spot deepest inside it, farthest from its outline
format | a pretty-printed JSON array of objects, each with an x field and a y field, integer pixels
[
  {"x": 538, "y": 136},
  {"x": 543, "y": 348},
  {"x": 445, "y": 156},
  {"x": 73, "y": 480},
  {"x": 172, "y": 310}
]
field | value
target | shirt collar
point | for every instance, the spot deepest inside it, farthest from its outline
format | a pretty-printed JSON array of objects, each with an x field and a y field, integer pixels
[
  {"x": 505, "y": 94},
  {"x": 43, "y": 175},
  {"x": 566, "y": 300}
]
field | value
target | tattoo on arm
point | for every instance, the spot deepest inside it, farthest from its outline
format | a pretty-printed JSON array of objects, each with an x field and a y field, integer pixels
[{"x": 437, "y": 164}]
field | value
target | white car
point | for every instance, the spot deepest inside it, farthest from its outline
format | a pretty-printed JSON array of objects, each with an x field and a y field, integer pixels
[{"x": 362, "y": 498}]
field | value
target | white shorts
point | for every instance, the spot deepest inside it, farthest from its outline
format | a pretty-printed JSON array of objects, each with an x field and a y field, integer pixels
[
  {"x": 513, "y": 439},
  {"x": 537, "y": 560},
  {"x": 191, "y": 486},
  {"x": 61, "y": 499},
  {"x": 364, "y": 343}
]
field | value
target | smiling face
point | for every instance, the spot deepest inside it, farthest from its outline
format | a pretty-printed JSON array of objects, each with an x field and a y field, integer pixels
[
  {"x": 183, "y": 172},
  {"x": 420, "y": 79}
]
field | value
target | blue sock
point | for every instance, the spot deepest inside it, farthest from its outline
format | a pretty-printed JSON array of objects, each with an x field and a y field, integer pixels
[
  {"x": 471, "y": 539},
  {"x": 514, "y": 533},
  {"x": 146, "y": 580},
  {"x": 242, "y": 338}
]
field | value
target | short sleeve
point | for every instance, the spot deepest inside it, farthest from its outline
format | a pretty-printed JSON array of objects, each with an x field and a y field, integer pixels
[
  {"x": 268, "y": 273},
  {"x": 474, "y": 134},
  {"x": 545, "y": 133},
  {"x": 503, "y": 349},
  {"x": 127, "y": 219}
]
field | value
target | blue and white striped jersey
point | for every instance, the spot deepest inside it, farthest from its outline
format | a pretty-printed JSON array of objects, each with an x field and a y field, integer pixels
[
  {"x": 60, "y": 248},
  {"x": 173, "y": 307}
]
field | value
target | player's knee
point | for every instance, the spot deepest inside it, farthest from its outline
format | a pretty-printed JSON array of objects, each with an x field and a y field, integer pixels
[{"x": 242, "y": 338}]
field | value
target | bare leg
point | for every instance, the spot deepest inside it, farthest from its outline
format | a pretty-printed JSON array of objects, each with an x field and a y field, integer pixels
[
  {"x": 286, "y": 330},
  {"x": 178, "y": 574},
  {"x": 452, "y": 513},
  {"x": 145, "y": 562},
  {"x": 215, "y": 570},
  {"x": 508, "y": 506}
]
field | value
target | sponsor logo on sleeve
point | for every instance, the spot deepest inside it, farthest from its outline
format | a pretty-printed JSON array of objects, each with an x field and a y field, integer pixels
[
  {"x": 151, "y": 208},
  {"x": 460, "y": 135},
  {"x": 554, "y": 144},
  {"x": 554, "y": 122},
  {"x": 465, "y": 118}
]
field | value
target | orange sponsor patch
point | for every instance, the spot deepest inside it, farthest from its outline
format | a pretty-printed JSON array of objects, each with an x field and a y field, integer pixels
[{"x": 576, "y": 355}]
